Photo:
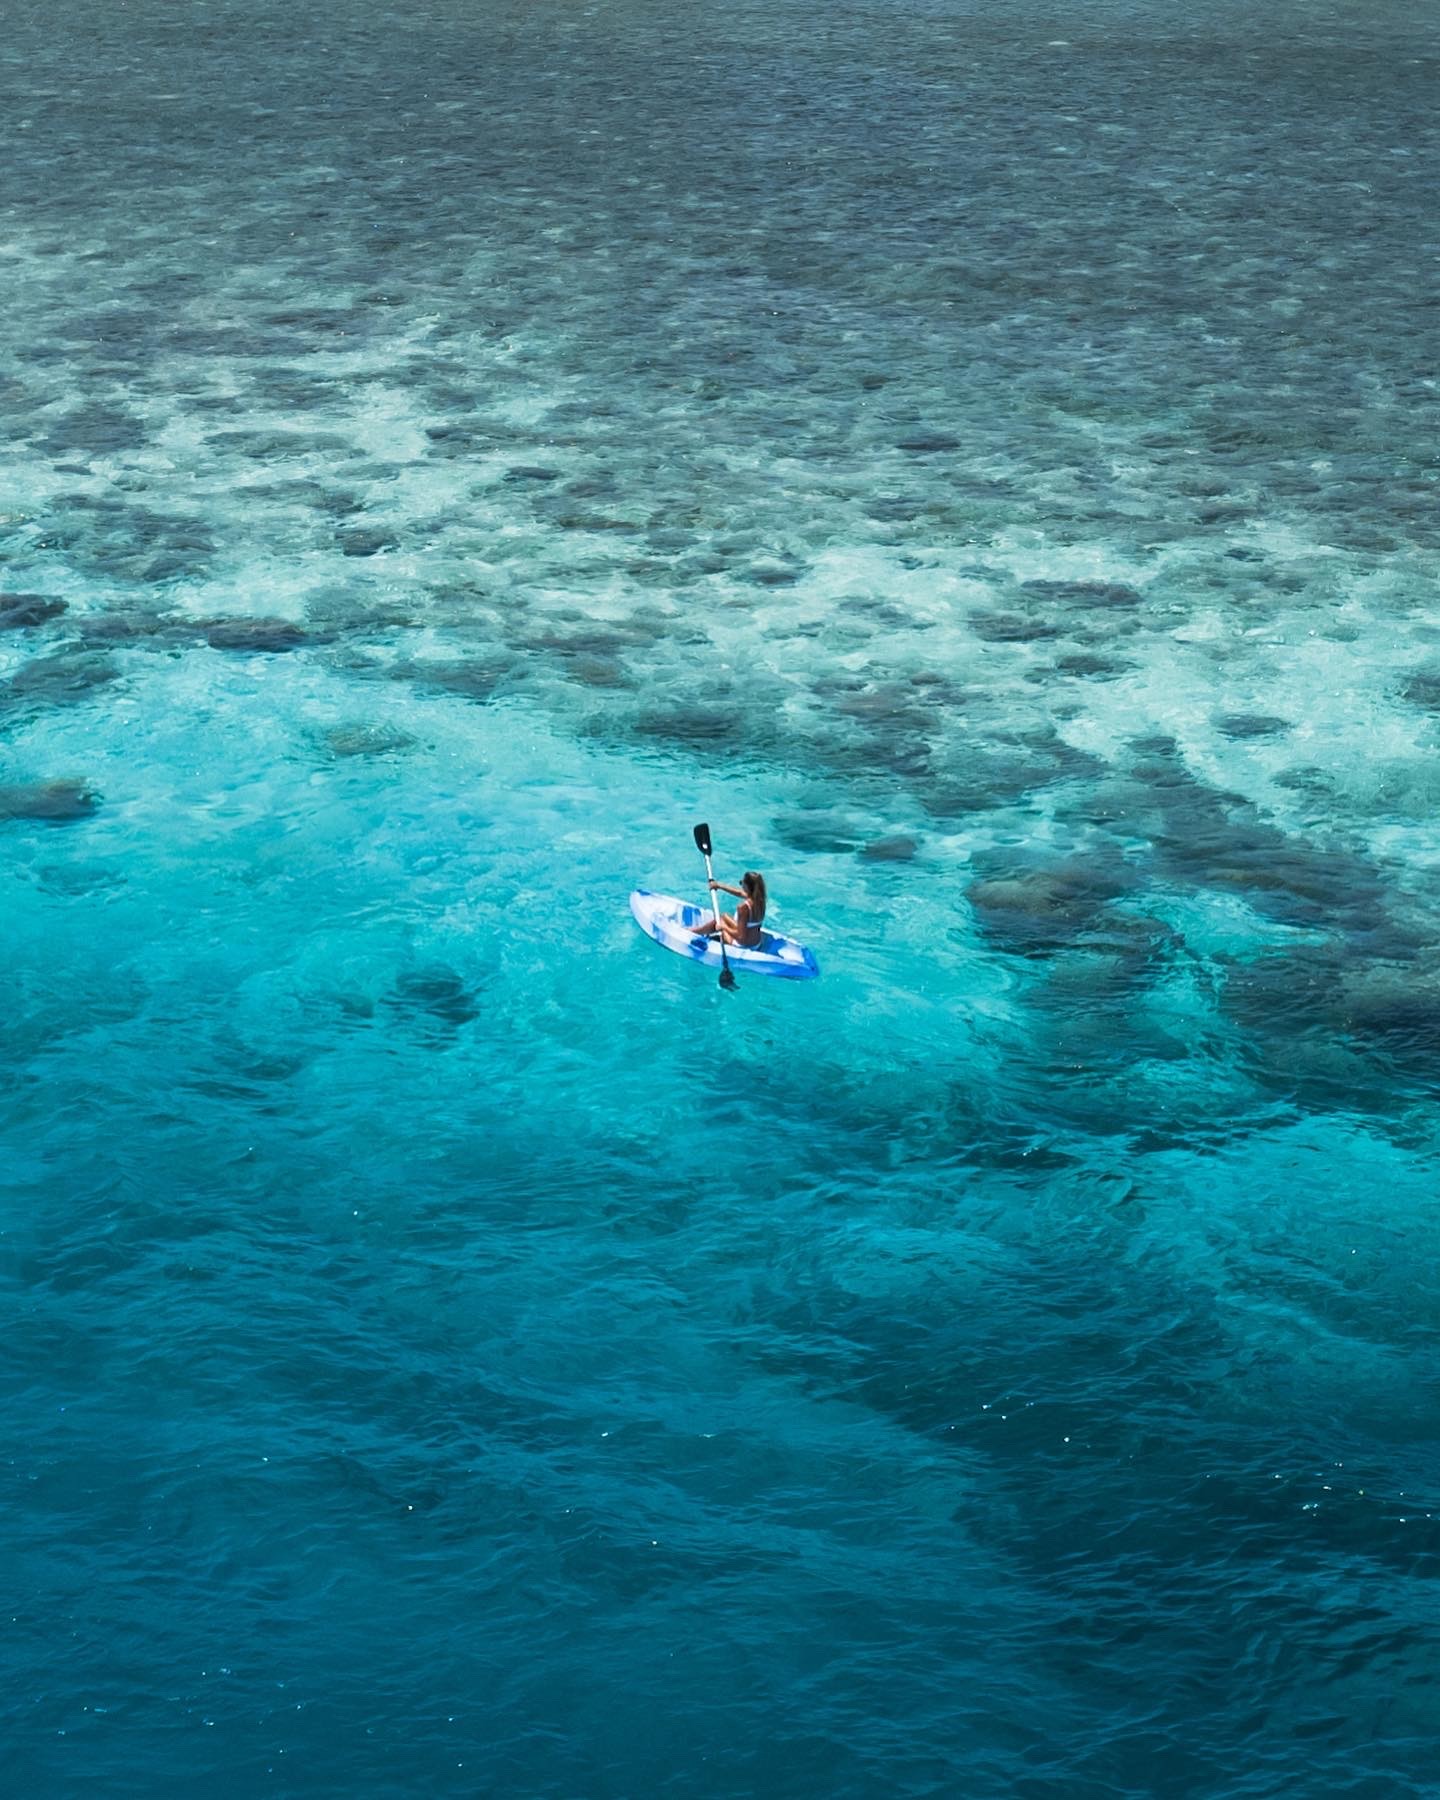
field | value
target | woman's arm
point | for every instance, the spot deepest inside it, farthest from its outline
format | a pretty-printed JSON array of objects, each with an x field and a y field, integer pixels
[{"x": 725, "y": 888}]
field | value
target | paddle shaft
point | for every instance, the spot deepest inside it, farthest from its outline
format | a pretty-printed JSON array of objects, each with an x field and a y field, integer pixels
[
  {"x": 702, "y": 844},
  {"x": 714, "y": 899}
]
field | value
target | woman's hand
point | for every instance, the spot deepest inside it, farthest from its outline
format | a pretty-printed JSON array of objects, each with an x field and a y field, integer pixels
[{"x": 714, "y": 884}]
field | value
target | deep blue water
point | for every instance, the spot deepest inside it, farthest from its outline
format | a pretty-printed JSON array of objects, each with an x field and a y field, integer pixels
[{"x": 983, "y": 460}]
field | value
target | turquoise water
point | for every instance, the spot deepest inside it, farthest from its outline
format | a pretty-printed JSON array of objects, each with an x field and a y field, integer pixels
[{"x": 983, "y": 461}]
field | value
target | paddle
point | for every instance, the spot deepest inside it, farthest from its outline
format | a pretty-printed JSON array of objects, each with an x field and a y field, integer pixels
[{"x": 702, "y": 844}]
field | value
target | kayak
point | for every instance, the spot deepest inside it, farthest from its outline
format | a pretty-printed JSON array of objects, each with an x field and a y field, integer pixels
[{"x": 671, "y": 922}]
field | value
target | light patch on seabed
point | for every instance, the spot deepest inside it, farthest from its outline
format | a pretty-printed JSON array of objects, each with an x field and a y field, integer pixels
[{"x": 495, "y": 843}]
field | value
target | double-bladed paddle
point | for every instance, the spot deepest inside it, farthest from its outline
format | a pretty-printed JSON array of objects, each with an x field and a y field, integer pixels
[{"x": 702, "y": 844}]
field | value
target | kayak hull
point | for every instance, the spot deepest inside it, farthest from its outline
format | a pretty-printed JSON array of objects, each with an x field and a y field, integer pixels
[{"x": 670, "y": 922}]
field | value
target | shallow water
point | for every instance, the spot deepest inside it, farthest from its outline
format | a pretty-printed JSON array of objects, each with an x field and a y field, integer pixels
[{"x": 983, "y": 463}]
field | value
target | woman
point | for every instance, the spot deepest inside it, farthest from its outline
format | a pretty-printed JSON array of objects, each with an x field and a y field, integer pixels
[{"x": 741, "y": 927}]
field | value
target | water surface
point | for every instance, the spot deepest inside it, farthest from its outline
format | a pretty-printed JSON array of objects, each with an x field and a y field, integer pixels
[{"x": 985, "y": 464}]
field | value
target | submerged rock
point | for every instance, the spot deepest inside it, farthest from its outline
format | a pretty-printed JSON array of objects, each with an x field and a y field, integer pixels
[
  {"x": 891, "y": 849},
  {"x": 1087, "y": 664},
  {"x": 1086, "y": 593},
  {"x": 276, "y": 446},
  {"x": 881, "y": 703},
  {"x": 717, "y": 727},
  {"x": 869, "y": 753},
  {"x": 593, "y": 640},
  {"x": 883, "y": 612},
  {"x": 1326, "y": 996},
  {"x": 366, "y": 541},
  {"x": 19, "y": 611},
  {"x": 927, "y": 443},
  {"x": 1251, "y": 725},
  {"x": 437, "y": 992},
  {"x": 817, "y": 833},
  {"x": 1423, "y": 689},
  {"x": 96, "y": 430},
  {"x": 1397, "y": 1004},
  {"x": 1038, "y": 908},
  {"x": 366, "y": 740},
  {"x": 271, "y": 636},
  {"x": 1284, "y": 877},
  {"x": 57, "y": 680},
  {"x": 135, "y": 627},
  {"x": 894, "y": 509},
  {"x": 1205, "y": 837},
  {"x": 471, "y": 680},
  {"x": 774, "y": 574},
  {"x": 598, "y": 672},
  {"x": 61, "y": 802},
  {"x": 592, "y": 521},
  {"x": 980, "y": 780},
  {"x": 1011, "y": 628}
]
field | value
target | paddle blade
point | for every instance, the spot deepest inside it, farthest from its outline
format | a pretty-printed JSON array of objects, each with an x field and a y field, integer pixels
[
  {"x": 727, "y": 977},
  {"x": 702, "y": 839}
]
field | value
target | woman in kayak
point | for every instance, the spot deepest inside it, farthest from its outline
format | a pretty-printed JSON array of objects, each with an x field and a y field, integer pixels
[{"x": 743, "y": 925}]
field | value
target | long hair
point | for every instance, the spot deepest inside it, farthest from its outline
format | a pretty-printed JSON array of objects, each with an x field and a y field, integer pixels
[{"x": 753, "y": 883}]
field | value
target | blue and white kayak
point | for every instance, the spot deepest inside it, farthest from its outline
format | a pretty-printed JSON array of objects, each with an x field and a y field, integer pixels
[{"x": 672, "y": 922}]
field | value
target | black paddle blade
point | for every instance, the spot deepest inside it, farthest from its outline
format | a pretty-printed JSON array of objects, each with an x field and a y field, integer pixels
[
  {"x": 702, "y": 839},
  {"x": 727, "y": 977}
]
